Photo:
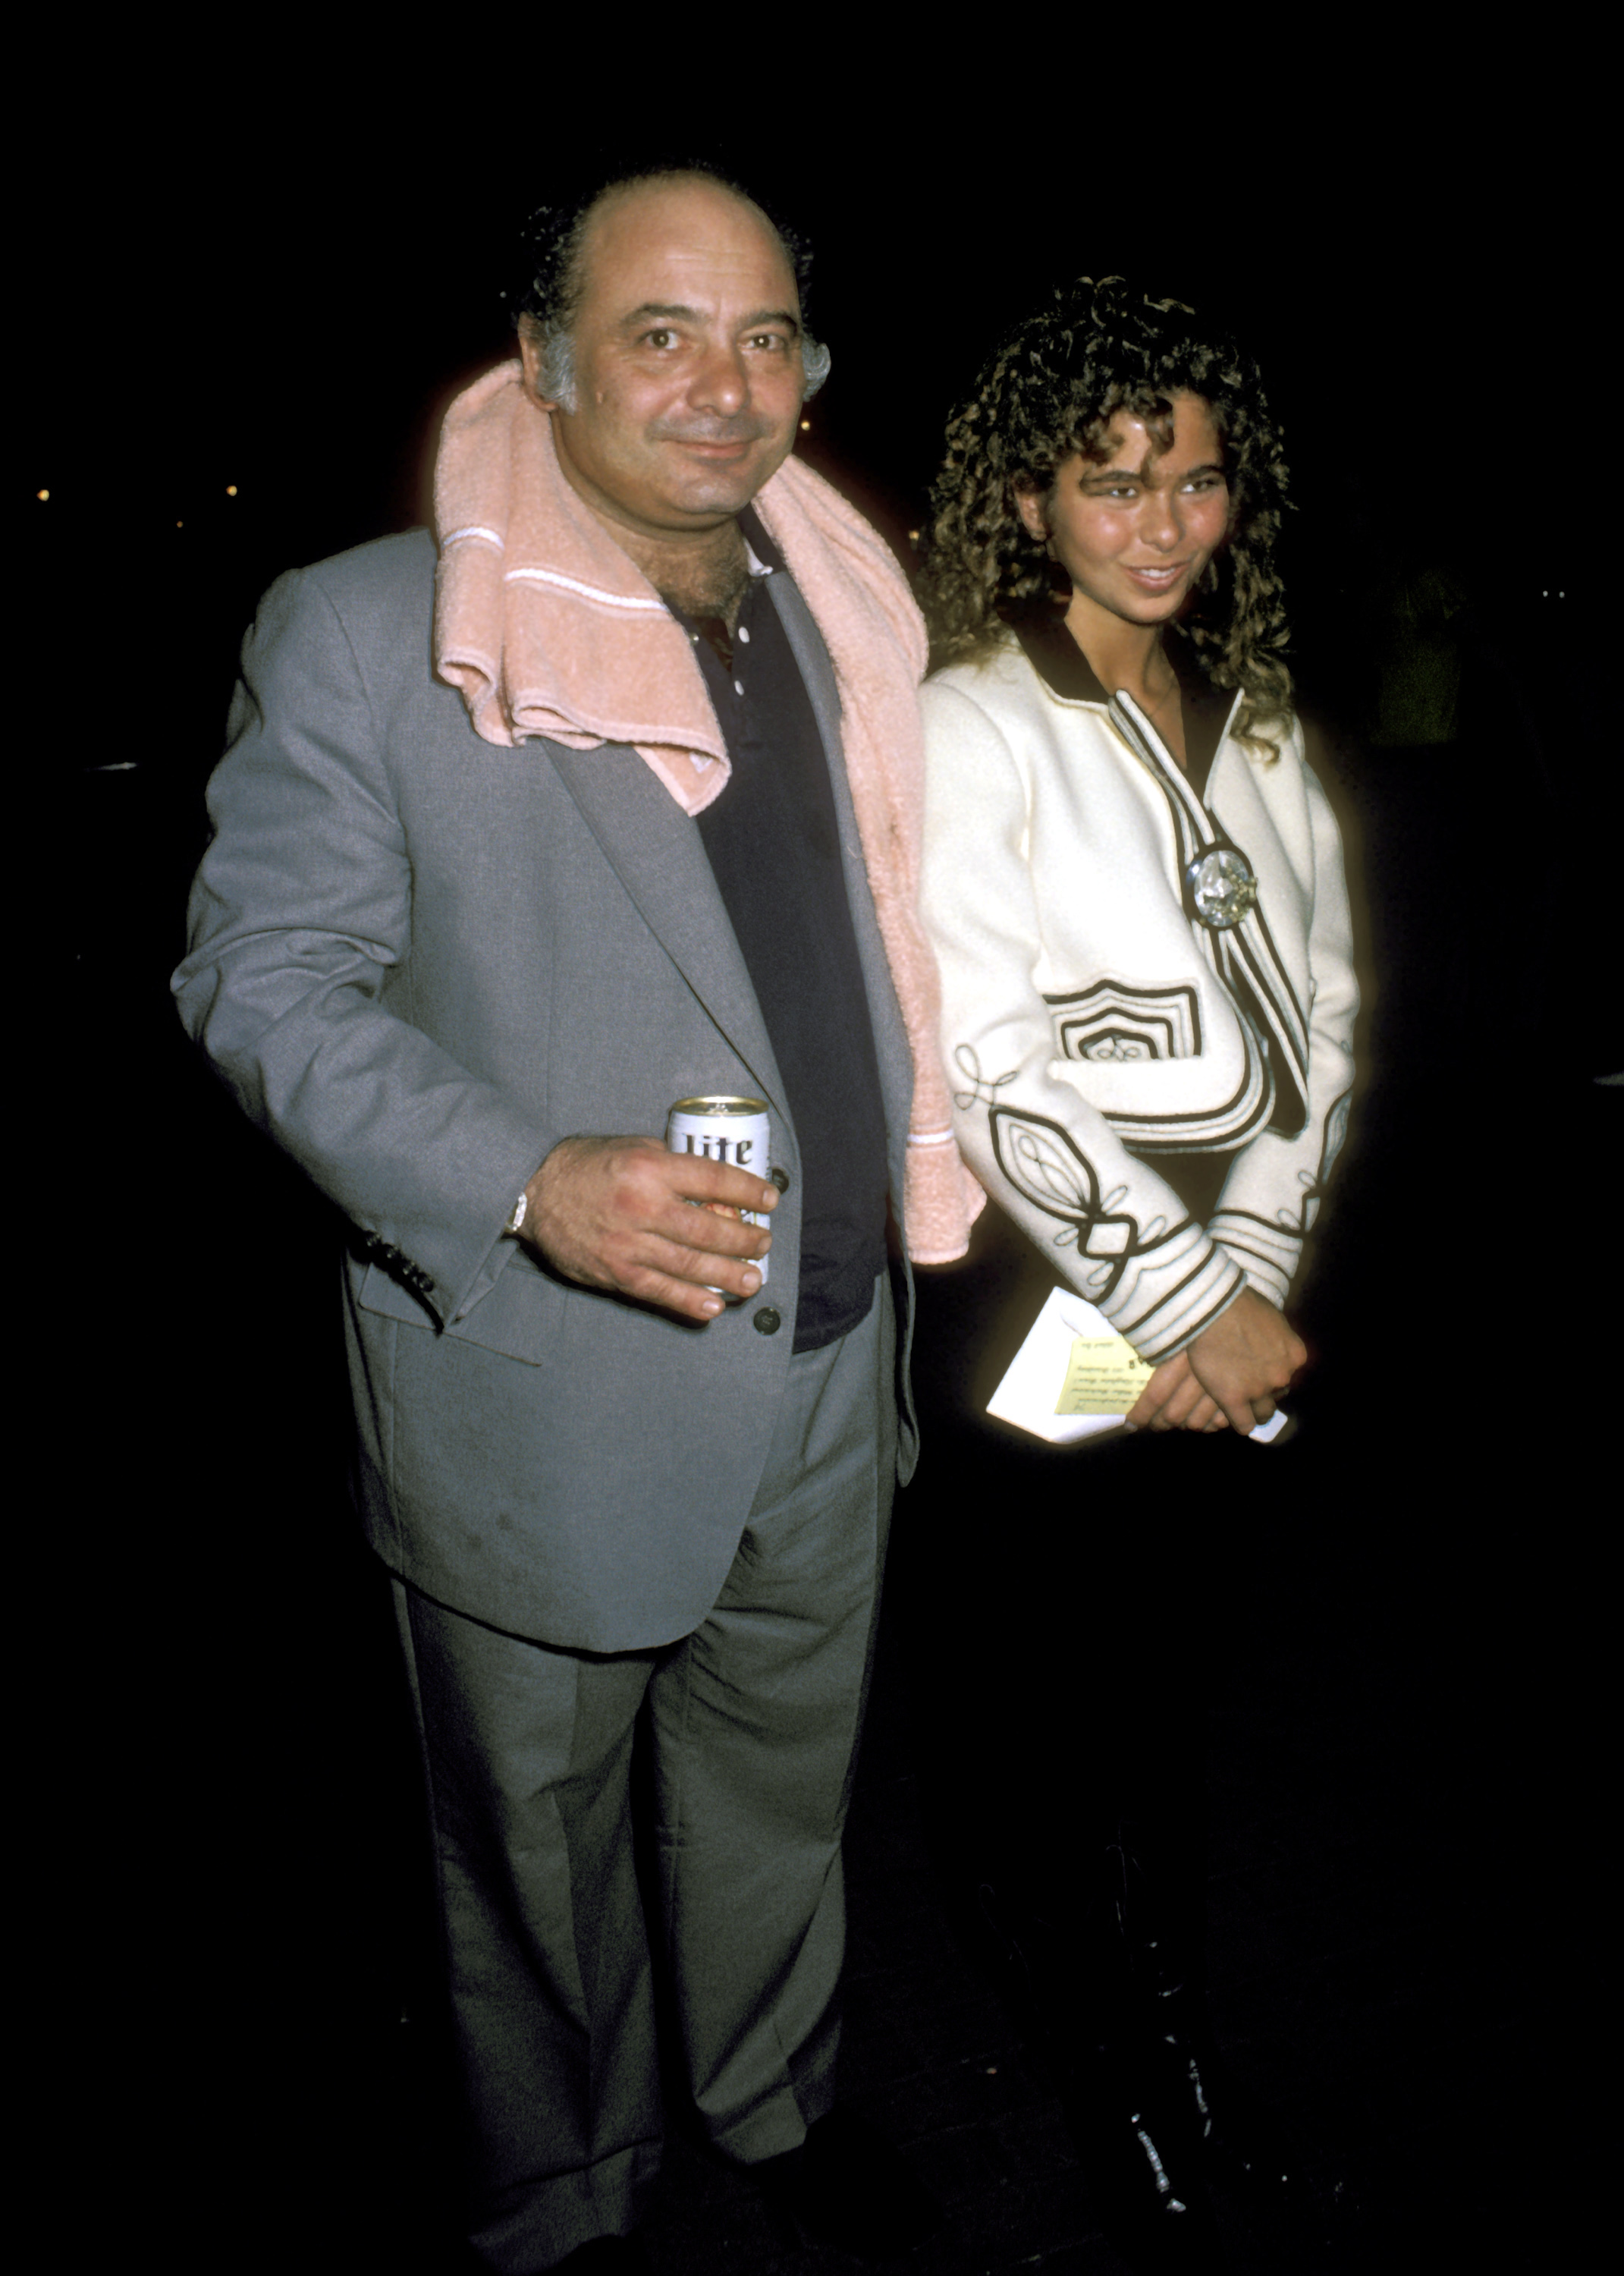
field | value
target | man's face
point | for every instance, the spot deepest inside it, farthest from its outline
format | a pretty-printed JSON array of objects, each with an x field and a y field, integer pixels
[{"x": 688, "y": 361}]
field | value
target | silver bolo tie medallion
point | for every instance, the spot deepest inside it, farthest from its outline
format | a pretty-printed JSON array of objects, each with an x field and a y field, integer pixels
[{"x": 1222, "y": 886}]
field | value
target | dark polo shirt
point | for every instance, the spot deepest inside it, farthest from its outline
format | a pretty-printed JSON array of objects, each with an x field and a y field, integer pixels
[{"x": 774, "y": 846}]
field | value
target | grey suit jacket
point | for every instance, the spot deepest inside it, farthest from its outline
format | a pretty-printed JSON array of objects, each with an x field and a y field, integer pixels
[{"x": 420, "y": 960}]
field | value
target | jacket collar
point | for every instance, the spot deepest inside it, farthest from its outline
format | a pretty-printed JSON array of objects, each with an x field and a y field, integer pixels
[{"x": 1053, "y": 654}]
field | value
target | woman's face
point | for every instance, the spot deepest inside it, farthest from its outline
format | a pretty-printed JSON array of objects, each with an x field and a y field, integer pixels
[{"x": 1135, "y": 530}]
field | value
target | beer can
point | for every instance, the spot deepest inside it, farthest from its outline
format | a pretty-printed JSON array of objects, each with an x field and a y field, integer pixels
[{"x": 730, "y": 1130}]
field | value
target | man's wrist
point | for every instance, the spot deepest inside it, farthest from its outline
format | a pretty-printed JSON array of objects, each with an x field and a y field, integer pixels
[
  {"x": 525, "y": 1217},
  {"x": 521, "y": 1224}
]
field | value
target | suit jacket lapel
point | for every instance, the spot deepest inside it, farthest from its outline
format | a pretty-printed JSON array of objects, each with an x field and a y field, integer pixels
[{"x": 656, "y": 852}]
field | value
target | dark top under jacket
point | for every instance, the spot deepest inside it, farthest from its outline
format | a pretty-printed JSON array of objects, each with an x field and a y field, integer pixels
[
  {"x": 1054, "y": 655},
  {"x": 774, "y": 847}
]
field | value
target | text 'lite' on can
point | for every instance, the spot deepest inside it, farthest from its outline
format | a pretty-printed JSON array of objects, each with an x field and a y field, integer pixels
[{"x": 730, "y": 1130}]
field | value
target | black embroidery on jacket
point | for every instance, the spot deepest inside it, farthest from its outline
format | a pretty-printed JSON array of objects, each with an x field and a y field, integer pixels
[
  {"x": 1045, "y": 1165},
  {"x": 1217, "y": 1130},
  {"x": 983, "y": 1089},
  {"x": 1244, "y": 957},
  {"x": 1114, "y": 1020}
]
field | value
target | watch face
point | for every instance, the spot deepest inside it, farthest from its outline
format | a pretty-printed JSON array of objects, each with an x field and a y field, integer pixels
[{"x": 1222, "y": 887}]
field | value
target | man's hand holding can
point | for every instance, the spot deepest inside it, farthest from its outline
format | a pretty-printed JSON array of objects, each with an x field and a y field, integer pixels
[{"x": 669, "y": 1229}]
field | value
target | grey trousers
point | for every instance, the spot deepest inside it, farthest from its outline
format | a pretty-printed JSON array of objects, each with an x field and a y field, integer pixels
[{"x": 754, "y": 1721}]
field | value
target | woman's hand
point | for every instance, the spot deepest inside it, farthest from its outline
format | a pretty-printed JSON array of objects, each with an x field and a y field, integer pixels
[
  {"x": 1229, "y": 1377},
  {"x": 1174, "y": 1400}
]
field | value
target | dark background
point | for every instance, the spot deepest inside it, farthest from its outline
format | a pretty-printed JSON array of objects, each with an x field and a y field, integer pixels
[{"x": 286, "y": 299}]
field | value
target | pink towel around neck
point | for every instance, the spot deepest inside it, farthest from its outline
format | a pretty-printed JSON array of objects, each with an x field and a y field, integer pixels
[{"x": 547, "y": 628}]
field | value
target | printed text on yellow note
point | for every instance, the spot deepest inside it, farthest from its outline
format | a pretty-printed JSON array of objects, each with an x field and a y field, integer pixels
[{"x": 1105, "y": 1375}]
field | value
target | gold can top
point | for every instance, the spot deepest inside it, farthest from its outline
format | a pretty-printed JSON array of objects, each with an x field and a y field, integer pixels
[{"x": 720, "y": 1106}]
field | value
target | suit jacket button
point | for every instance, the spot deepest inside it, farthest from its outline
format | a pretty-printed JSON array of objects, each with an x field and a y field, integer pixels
[
  {"x": 767, "y": 1321},
  {"x": 780, "y": 1178}
]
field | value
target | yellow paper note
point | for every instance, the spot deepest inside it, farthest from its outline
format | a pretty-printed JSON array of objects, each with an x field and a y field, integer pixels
[{"x": 1105, "y": 1375}]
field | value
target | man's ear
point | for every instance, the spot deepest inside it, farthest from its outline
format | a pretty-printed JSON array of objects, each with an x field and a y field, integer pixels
[{"x": 530, "y": 342}]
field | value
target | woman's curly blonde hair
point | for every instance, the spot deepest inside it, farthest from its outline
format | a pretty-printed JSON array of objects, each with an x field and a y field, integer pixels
[{"x": 1052, "y": 392}]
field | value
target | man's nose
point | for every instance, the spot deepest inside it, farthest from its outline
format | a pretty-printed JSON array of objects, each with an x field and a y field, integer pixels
[{"x": 720, "y": 382}]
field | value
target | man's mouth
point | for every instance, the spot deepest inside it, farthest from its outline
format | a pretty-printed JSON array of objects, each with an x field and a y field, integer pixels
[{"x": 722, "y": 446}]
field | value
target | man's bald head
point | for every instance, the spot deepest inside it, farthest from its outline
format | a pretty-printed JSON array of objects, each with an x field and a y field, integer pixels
[{"x": 557, "y": 245}]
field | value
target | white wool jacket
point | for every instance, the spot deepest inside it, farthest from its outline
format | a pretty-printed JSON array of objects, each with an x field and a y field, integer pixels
[{"x": 1092, "y": 1022}]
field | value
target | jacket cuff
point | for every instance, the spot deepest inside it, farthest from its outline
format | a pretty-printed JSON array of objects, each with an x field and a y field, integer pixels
[
  {"x": 1168, "y": 1307},
  {"x": 448, "y": 1266},
  {"x": 1267, "y": 1254}
]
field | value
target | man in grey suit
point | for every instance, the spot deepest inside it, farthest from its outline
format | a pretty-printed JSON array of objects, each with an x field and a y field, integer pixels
[{"x": 611, "y": 1473}]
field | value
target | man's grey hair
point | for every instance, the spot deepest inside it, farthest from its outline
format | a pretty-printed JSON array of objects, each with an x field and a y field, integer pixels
[{"x": 557, "y": 382}]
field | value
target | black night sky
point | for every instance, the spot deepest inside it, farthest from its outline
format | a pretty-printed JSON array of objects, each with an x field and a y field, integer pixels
[{"x": 207, "y": 319}]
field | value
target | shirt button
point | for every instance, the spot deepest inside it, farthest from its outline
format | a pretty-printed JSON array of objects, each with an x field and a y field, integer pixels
[
  {"x": 738, "y": 688},
  {"x": 767, "y": 1322},
  {"x": 780, "y": 1178},
  {"x": 744, "y": 634}
]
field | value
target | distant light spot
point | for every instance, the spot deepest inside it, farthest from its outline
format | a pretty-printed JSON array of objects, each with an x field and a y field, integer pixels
[
  {"x": 180, "y": 525},
  {"x": 230, "y": 490},
  {"x": 806, "y": 426},
  {"x": 912, "y": 537},
  {"x": 41, "y": 494}
]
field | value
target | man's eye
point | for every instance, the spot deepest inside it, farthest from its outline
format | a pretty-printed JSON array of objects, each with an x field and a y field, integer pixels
[
  {"x": 661, "y": 336},
  {"x": 769, "y": 340}
]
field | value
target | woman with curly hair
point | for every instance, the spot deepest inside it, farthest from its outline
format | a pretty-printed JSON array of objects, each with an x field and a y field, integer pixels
[{"x": 1135, "y": 887}]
